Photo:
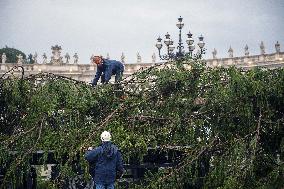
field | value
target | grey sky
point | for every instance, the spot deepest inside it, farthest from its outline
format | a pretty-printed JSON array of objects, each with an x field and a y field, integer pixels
[{"x": 130, "y": 26}]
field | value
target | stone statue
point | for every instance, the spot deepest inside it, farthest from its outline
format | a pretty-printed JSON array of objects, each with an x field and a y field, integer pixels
[
  {"x": 139, "y": 59},
  {"x": 56, "y": 58},
  {"x": 262, "y": 48},
  {"x": 4, "y": 58},
  {"x": 277, "y": 47},
  {"x": 20, "y": 59},
  {"x": 92, "y": 57},
  {"x": 122, "y": 58},
  {"x": 153, "y": 58},
  {"x": 44, "y": 57},
  {"x": 214, "y": 53},
  {"x": 246, "y": 50},
  {"x": 76, "y": 58},
  {"x": 107, "y": 57},
  {"x": 35, "y": 58},
  {"x": 67, "y": 56},
  {"x": 231, "y": 52},
  {"x": 30, "y": 58}
]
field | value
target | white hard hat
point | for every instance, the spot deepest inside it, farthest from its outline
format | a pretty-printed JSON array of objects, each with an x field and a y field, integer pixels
[{"x": 105, "y": 136}]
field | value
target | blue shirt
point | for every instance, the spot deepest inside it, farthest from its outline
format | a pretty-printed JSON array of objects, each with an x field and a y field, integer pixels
[
  {"x": 104, "y": 162},
  {"x": 109, "y": 68}
]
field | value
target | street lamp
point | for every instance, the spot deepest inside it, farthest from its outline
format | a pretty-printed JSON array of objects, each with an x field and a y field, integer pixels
[{"x": 180, "y": 54}]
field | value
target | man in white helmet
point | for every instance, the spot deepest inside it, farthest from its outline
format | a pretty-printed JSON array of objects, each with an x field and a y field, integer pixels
[{"x": 106, "y": 163}]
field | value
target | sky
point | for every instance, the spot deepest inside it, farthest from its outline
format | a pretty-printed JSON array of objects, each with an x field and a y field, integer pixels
[{"x": 130, "y": 26}]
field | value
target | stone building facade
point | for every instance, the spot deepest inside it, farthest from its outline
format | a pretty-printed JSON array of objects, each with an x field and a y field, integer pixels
[{"x": 86, "y": 72}]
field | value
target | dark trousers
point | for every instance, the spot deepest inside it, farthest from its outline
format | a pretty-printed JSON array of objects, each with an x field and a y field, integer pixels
[{"x": 118, "y": 76}]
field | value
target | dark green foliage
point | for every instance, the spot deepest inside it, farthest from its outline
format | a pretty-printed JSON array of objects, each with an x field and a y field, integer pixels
[
  {"x": 11, "y": 54},
  {"x": 229, "y": 123}
]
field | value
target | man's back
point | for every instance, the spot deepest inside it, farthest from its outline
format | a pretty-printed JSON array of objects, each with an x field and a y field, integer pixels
[
  {"x": 105, "y": 160},
  {"x": 112, "y": 67}
]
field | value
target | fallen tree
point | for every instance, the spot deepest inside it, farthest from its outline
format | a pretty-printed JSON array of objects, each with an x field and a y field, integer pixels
[{"x": 228, "y": 123}]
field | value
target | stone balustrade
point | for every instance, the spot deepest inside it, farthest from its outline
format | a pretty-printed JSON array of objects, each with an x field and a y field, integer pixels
[
  {"x": 86, "y": 72},
  {"x": 266, "y": 60},
  {"x": 82, "y": 72}
]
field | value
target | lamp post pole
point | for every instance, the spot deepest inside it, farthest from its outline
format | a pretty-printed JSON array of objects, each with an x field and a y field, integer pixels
[{"x": 180, "y": 47}]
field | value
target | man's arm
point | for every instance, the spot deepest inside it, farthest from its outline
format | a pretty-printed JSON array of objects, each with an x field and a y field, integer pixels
[
  {"x": 91, "y": 155},
  {"x": 98, "y": 75}
]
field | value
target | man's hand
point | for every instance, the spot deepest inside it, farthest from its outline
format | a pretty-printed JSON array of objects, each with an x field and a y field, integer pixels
[
  {"x": 86, "y": 149},
  {"x": 90, "y": 148}
]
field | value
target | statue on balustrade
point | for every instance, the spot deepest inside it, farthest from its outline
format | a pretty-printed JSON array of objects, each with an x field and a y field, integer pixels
[
  {"x": 262, "y": 48},
  {"x": 246, "y": 50},
  {"x": 153, "y": 58},
  {"x": 92, "y": 57},
  {"x": 20, "y": 59},
  {"x": 67, "y": 57},
  {"x": 277, "y": 47},
  {"x": 56, "y": 58},
  {"x": 214, "y": 53},
  {"x": 44, "y": 58},
  {"x": 30, "y": 59},
  {"x": 139, "y": 59},
  {"x": 122, "y": 58},
  {"x": 231, "y": 52},
  {"x": 76, "y": 58},
  {"x": 4, "y": 58},
  {"x": 107, "y": 57},
  {"x": 35, "y": 58}
]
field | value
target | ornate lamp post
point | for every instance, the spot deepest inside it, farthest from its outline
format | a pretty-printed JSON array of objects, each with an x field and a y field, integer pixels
[{"x": 180, "y": 54}]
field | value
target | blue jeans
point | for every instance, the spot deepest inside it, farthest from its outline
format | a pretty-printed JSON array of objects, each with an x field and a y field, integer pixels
[{"x": 107, "y": 186}]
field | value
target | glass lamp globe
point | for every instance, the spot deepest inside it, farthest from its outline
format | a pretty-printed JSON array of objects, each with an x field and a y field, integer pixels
[
  {"x": 171, "y": 48},
  {"x": 201, "y": 43},
  {"x": 191, "y": 47}
]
